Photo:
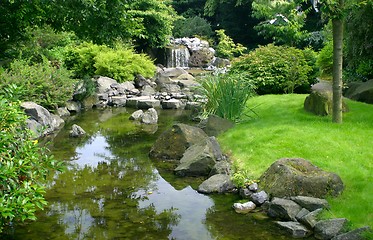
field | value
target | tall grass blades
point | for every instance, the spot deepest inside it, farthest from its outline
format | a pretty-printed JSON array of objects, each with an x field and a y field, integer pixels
[{"x": 226, "y": 96}]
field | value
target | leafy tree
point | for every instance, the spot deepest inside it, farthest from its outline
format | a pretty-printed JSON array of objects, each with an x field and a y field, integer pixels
[
  {"x": 146, "y": 22},
  {"x": 193, "y": 26},
  {"x": 282, "y": 21},
  {"x": 226, "y": 48},
  {"x": 359, "y": 35},
  {"x": 24, "y": 166}
]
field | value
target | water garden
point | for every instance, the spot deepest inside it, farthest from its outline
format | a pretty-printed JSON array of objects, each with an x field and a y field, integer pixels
[{"x": 230, "y": 129}]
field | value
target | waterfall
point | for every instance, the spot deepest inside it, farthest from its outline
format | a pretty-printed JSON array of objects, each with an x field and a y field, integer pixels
[{"x": 177, "y": 56}]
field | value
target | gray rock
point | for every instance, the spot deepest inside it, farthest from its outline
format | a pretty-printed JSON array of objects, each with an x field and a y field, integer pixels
[
  {"x": 215, "y": 125},
  {"x": 127, "y": 86},
  {"x": 254, "y": 187},
  {"x": 215, "y": 146},
  {"x": 77, "y": 131},
  {"x": 283, "y": 209},
  {"x": 172, "y": 143},
  {"x": 311, "y": 203},
  {"x": 259, "y": 198},
  {"x": 103, "y": 96},
  {"x": 172, "y": 104},
  {"x": 219, "y": 183},
  {"x": 319, "y": 102},
  {"x": 169, "y": 88},
  {"x": 173, "y": 72},
  {"x": 198, "y": 160},
  {"x": 73, "y": 107},
  {"x": 118, "y": 101},
  {"x": 140, "y": 81},
  {"x": 104, "y": 84},
  {"x": 298, "y": 177},
  {"x": 201, "y": 57},
  {"x": 143, "y": 102},
  {"x": 360, "y": 91},
  {"x": 150, "y": 116},
  {"x": 63, "y": 112},
  {"x": 41, "y": 122},
  {"x": 221, "y": 167},
  {"x": 356, "y": 234},
  {"x": 310, "y": 219},
  {"x": 301, "y": 214},
  {"x": 244, "y": 207},
  {"x": 245, "y": 193},
  {"x": 327, "y": 229},
  {"x": 137, "y": 115},
  {"x": 296, "y": 229},
  {"x": 147, "y": 91}
]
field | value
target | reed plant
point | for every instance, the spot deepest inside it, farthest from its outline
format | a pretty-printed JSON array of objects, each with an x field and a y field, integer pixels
[{"x": 226, "y": 95}]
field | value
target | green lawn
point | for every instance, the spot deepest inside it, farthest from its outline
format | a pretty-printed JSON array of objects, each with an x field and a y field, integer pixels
[{"x": 283, "y": 129}]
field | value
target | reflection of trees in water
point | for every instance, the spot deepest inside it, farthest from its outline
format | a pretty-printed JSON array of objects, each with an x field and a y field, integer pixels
[{"x": 103, "y": 203}]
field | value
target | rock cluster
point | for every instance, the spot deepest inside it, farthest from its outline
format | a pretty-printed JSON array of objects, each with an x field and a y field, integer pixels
[
  {"x": 171, "y": 88},
  {"x": 199, "y": 54},
  {"x": 196, "y": 154}
]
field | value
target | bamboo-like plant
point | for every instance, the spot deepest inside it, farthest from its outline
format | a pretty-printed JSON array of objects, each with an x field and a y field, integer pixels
[{"x": 226, "y": 95}]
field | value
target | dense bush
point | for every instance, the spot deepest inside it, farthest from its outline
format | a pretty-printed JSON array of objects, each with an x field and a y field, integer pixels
[
  {"x": 190, "y": 27},
  {"x": 226, "y": 96},
  {"x": 40, "y": 42},
  {"x": 23, "y": 167},
  {"x": 123, "y": 64},
  {"x": 226, "y": 48},
  {"x": 120, "y": 62},
  {"x": 277, "y": 69},
  {"x": 43, "y": 83},
  {"x": 325, "y": 59}
]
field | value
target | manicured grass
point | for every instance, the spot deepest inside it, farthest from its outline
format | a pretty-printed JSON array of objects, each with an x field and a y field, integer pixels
[{"x": 283, "y": 129}]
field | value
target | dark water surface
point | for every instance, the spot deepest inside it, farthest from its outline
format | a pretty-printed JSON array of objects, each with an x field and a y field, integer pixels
[{"x": 112, "y": 190}]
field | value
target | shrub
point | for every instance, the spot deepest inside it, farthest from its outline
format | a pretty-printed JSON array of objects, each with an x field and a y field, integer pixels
[
  {"x": 120, "y": 62},
  {"x": 277, "y": 69},
  {"x": 226, "y": 96},
  {"x": 325, "y": 59},
  {"x": 193, "y": 26},
  {"x": 41, "y": 42},
  {"x": 81, "y": 59},
  {"x": 42, "y": 83},
  {"x": 226, "y": 48},
  {"x": 123, "y": 64},
  {"x": 23, "y": 167}
]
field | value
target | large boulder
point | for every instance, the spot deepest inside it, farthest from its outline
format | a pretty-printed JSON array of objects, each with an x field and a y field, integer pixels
[
  {"x": 298, "y": 177},
  {"x": 214, "y": 125},
  {"x": 172, "y": 144},
  {"x": 360, "y": 91},
  {"x": 219, "y": 183},
  {"x": 201, "y": 57},
  {"x": 320, "y": 100},
  {"x": 41, "y": 121},
  {"x": 198, "y": 160},
  {"x": 104, "y": 84}
]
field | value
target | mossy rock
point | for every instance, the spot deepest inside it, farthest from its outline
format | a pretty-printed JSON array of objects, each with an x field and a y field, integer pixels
[
  {"x": 298, "y": 177},
  {"x": 172, "y": 144}
]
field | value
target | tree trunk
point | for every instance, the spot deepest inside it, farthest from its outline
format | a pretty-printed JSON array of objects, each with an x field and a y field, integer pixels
[{"x": 337, "y": 67}]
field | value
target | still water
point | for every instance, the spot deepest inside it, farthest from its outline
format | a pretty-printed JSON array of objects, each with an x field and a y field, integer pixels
[{"x": 112, "y": 190}]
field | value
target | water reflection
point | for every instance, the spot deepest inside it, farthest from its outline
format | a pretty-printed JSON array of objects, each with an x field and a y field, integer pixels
[{"x": 112, "y": 190}]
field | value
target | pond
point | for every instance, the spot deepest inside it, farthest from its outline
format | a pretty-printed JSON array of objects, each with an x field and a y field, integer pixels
[{"x": 112, "y": 190}]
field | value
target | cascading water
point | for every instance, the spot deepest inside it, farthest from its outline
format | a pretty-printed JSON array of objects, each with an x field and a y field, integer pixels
[{"x": 177, "y": 56}]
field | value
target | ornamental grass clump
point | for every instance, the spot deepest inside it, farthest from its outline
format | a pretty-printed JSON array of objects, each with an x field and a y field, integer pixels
[{"x": 226, "y": 96}]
